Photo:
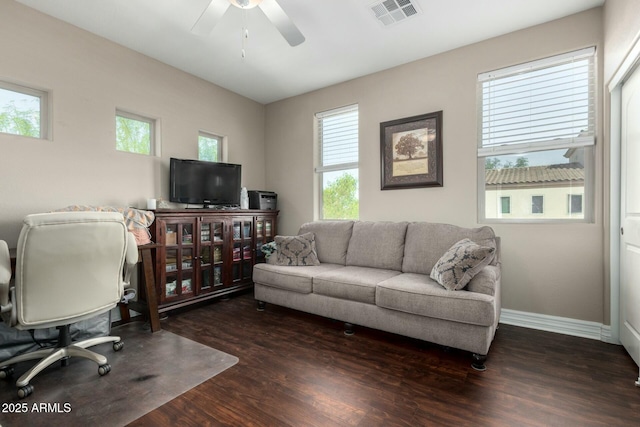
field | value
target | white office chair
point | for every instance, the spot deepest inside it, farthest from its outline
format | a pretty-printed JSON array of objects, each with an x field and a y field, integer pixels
[{"x": 70, "y": 266}]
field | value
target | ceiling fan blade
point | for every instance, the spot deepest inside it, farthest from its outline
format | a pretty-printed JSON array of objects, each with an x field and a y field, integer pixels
[
  {"x": 282, "y": 22},
  {"x": 210, "y": 17}
]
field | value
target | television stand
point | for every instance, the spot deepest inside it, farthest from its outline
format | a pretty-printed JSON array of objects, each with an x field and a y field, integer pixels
[{"x": 207, "y": 253}]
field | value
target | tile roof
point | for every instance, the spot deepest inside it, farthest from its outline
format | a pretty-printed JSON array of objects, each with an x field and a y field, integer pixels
[{"x": 535, "y": 174}]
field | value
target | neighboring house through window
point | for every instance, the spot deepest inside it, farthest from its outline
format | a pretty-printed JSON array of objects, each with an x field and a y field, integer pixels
[
  {"x": 24, "y": 111},
  {"x": 536, "y": 136},
  {"x": 575, "y": 203},
  {"x": 537, "y": 204},
  {"x": 337, "y": 163},
  {"x": 506, "y": 204}
]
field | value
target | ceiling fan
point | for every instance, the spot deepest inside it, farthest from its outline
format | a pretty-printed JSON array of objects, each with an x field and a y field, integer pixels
[{"x": 216, "y": 8}]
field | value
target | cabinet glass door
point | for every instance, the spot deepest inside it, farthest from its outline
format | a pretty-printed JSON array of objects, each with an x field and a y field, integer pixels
[
  {"x": 242, "y": 255},
  {"x": 212, "y": 239},
  {"x": 265, "y": 233},
  {"x": 179, "y": 258}
]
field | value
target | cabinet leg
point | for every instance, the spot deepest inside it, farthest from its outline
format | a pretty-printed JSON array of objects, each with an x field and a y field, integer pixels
[
  {"x": 261, "y": 305},
  {"x": 150, "y": 288}
]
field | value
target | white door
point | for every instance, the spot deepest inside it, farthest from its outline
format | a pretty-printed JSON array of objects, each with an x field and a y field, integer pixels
[{"x": 630, "y": 220}]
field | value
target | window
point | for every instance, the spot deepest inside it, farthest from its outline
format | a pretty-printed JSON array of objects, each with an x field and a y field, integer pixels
[
  {"x": 536, "y": 135},
  {"x": 575, "y": 203},
  {"x": 505, "y": 205},
  {"x": 23, "y": 111},
  {"x": 135, "y": 133},
  {"x": 337, "y": 163},
  {"x": 209, "y": 147},
  {"x": 537, "y": 204}
]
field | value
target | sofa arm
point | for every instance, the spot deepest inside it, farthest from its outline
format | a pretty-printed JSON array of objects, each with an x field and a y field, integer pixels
[{"x": 485, "y": 281}]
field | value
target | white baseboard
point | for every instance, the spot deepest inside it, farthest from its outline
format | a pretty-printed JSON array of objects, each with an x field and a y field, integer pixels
[{"x": 560, "y": 325}]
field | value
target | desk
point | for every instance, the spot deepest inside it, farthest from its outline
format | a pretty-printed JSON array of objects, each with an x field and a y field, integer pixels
[{"x": 151, "y": 307}]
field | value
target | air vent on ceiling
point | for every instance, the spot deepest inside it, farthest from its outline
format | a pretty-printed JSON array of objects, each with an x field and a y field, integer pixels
[{"x": 389, "y": 12}]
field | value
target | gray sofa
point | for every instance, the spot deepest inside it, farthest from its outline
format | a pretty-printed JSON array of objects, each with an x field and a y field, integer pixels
[{"x": 377, "y": 275}]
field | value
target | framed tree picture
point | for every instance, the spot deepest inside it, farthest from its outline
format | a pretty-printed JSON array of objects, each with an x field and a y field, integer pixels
[{"x": 411, "y": 152}]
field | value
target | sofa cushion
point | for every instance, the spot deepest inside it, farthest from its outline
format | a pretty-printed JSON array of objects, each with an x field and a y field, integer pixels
[
  {"x": 427, "y": 242},
  {"x": 460, "y": 263},
  {"x": 421, "y": 295},
  {"x": 332, "y": 239},
  {"x": 377, "y": 244},
  {"x": 296, "y": 250},
  {"x": 296, "y": 279},
  {"x": 352, "y": 283}
]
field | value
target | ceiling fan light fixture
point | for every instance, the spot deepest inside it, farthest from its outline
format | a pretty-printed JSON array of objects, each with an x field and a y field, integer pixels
[{"x": 245, "y": 4}]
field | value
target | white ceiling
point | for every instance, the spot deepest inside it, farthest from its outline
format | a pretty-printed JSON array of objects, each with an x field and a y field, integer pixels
[{"x": 343, "y": 38}]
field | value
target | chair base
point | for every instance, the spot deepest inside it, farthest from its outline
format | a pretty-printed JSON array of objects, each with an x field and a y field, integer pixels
[{"x": 50, "y": 356}]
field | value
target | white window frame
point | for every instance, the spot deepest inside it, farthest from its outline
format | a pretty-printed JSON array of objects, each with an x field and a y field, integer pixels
[
  {"x": 584, "y": 141},
  {"x": 320, "y": 169},
  {"x": 45, "y": 107},
  {"x": 154, "y": 148},
  {"x": 221, "y": 142}
]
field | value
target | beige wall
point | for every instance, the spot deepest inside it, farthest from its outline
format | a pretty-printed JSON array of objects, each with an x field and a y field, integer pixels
[
  {"x": 548, "y": 269},
  {"x": 88, "y": 78},
  {"x": 621, "y": 30}
]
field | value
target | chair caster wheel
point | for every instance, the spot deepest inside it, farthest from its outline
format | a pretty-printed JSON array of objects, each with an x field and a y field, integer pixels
[
  {"x": 104, "y": 369},
  {"x": 25, "y": 391},
  {"x": 6, "y": 372},
  {"x": 117, "y": 346}
]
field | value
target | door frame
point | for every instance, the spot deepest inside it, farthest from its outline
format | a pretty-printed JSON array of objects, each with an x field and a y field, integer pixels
[{"x": 628, "y": 66}]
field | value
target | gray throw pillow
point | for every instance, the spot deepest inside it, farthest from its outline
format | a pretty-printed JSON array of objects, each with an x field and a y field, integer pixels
[
  {"x": 460, "y": 263},
  {"x": 296, "y": 250}
]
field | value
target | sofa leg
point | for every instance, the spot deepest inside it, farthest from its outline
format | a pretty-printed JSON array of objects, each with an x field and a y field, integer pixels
[
  {"x": 478, "y": 362},
  {"x": 348, "y": 329},
  {"x": 261, "y": 305}
]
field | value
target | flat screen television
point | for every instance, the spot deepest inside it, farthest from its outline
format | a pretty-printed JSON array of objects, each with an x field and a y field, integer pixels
[{"x": 204, "y": 183}]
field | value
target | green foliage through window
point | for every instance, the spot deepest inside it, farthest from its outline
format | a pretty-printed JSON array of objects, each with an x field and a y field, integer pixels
[
  {"x": 340, "y": 198},
  {"x": 20, "y": 113},
  {"x": 133, "y": 135},
  {"x": 496, "y": 163},
  {"x": 209, "y": 147},
  {"x": 338, "y": 152}
]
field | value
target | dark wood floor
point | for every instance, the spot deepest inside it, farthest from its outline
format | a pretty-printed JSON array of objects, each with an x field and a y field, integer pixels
[{"x": 297, "y": 369}]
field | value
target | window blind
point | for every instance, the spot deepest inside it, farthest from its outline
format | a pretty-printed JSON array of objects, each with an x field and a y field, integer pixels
[
  {"x": 338, "y": 139},
  {"x": 546, "y": 102}
]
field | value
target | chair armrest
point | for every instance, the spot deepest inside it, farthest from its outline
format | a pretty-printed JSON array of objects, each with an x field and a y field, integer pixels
[
  {"x": 131, "y": 256},
  {"x": 131, "y": 259},
  {"x": 5, "y": 273}
]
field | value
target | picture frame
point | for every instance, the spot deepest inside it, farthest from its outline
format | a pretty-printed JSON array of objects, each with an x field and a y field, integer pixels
[{"x": 411, "y": 152}]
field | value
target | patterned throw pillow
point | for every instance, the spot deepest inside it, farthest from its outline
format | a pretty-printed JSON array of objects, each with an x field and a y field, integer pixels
[
  {"x": 296, "y": 250},
  {"x": 460, "y": 263}
]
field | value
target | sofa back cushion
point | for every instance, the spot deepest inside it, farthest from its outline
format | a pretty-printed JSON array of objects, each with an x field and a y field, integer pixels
[
  {"x": 332, "y": 239},
  {"x": 378, "y": 244},
  {"x": 427, "y": 242}
]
